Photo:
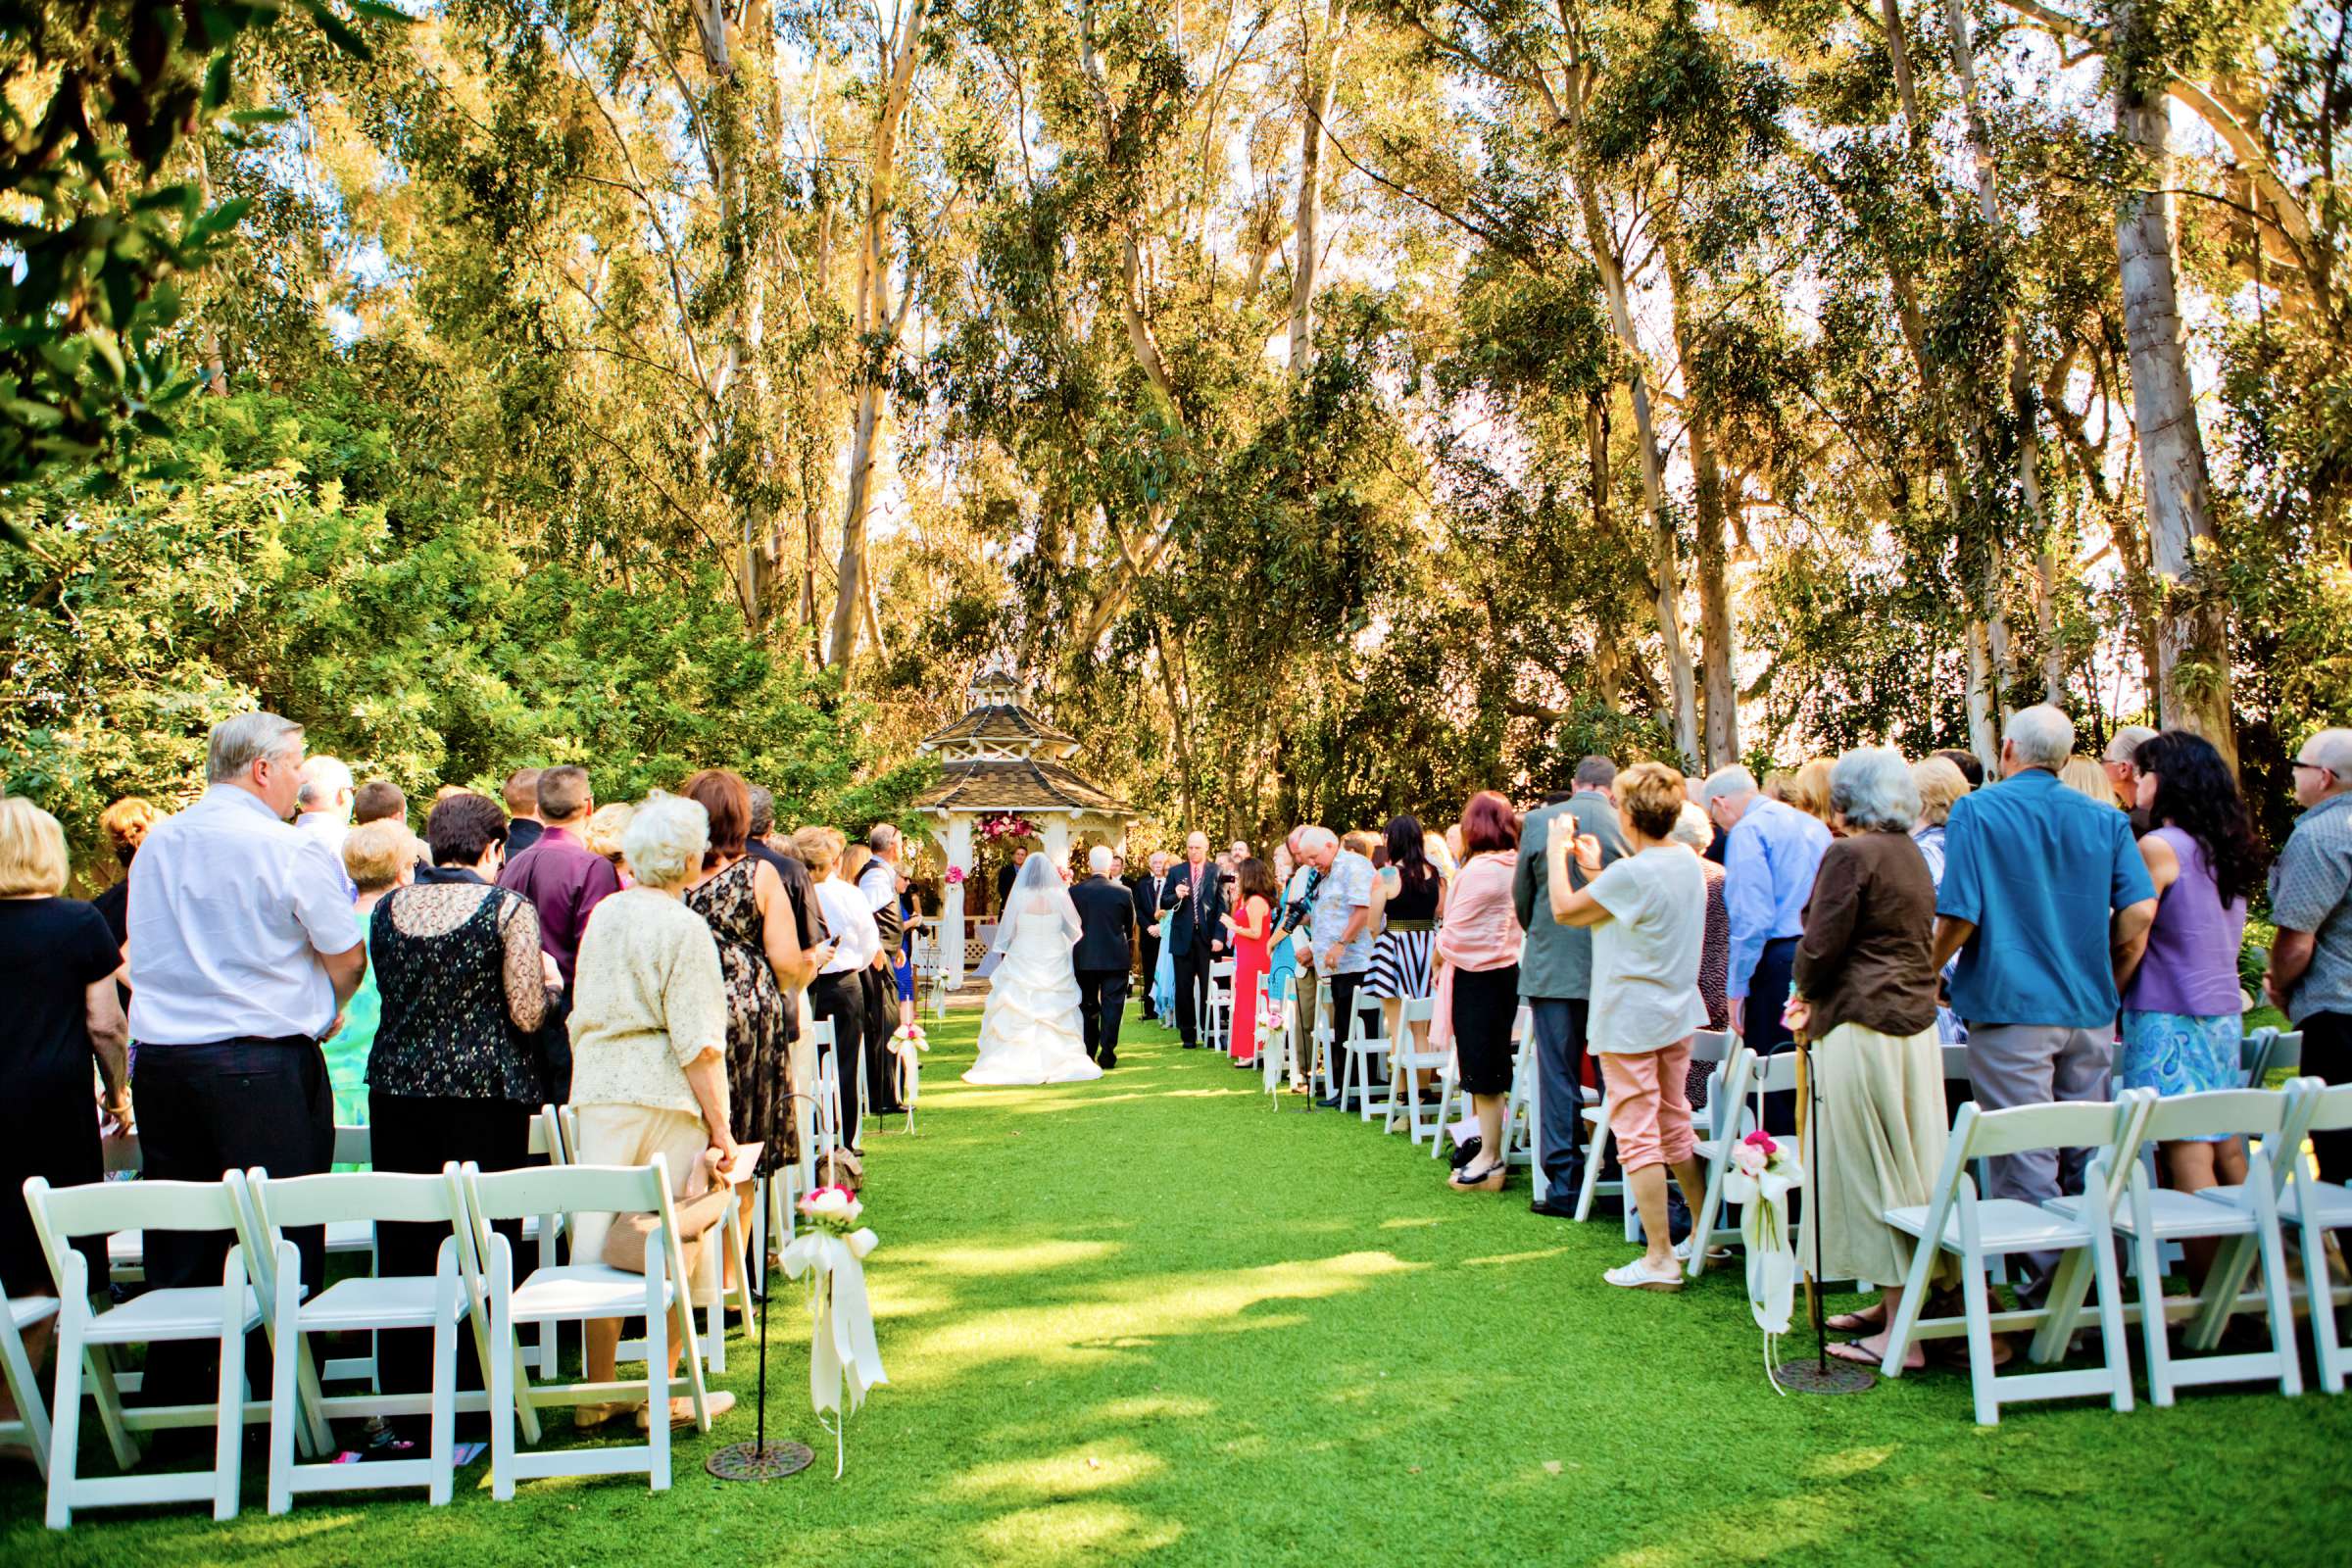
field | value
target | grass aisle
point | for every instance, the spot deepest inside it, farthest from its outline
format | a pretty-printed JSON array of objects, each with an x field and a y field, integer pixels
[{"x": 1151, "y": 1316}]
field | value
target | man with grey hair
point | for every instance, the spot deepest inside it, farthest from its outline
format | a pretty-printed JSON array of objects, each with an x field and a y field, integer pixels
[
  {"x": 1195, "y": 901},
  {"x": 1147, "y": 889},
  {"x": 1105, "y": 946},
  {"x": 2310, "y": 977},
  {"x": 322, "y": 806},
  {"x": 2044, "y": 897},
  {"x": 243, "y": 950},
  {"x": 2122, "y": 747},
  {"x": 1338, "y": 945},
  {"x": 878, "y": 885},
  {"x": 1770, "y": 853},
  {"x": 1556, "y": 973}
]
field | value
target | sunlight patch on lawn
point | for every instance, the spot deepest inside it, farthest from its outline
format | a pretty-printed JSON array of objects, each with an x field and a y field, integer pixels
[
  {"x": 1070, "y": 1529},
  {"x": 1139, "y": 1310},
  {"x": 1514, "y": 1257},
  {"x": 1035, "y": 1257},
  {"x": 1072, "y": 1472}
]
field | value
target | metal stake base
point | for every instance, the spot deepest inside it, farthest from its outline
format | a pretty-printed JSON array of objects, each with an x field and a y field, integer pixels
[
  {"x": 1841, "y": 1377},
  {"x": 747, "y": 1461}
]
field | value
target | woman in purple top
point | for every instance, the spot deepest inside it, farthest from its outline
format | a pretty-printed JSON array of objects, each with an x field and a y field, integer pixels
[{"x": 2181, "y": 1001}]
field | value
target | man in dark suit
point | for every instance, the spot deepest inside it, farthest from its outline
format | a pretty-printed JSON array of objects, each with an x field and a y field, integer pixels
[
  {"x": 1195, "y": 904},
  {"x": 1105, "y": 944},
  {"x": 1147, "y": 890}
]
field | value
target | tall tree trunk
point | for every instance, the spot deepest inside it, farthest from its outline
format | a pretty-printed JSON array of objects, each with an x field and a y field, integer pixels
[
  {"x": 1714, "y": 592},
  {"x": 1608, "y": 659},
  {"x": 2193, "y": 631},
  {"x": 877, "y": 327},
  {"x": 1319, "y": 70},
  {"x": 1665, "y": 557},
  {"x": 1983, "y": 738},
  {"x": 2045, "y": 625}
]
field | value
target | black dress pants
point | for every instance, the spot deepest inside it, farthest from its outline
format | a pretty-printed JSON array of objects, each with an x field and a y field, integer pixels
[
  {"x": 1765, "y": 1035},
  {"x": 879, "y": 992},
  {"x": 1192, "y": 990},
  {"x": 2327, "y": 1056},
  {"x": 1149, "y": 946},
  {"x": 1102, "y": 999},
  {"x": 418, "y": 1134},
  {"x": 204, "y": 1110},
  {"x": 842, "y": 999}
]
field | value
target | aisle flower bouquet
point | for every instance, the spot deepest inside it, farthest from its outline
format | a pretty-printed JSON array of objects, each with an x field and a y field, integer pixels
[
  {"x": 1764, "y": 1173},
  {"x": 908, "y": 1041},
  {"x": 955, "y": 876},
  {"x": 844, "y": 1361}
]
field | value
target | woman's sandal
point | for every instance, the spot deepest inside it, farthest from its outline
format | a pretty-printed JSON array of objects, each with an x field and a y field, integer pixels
[
  {"x": 1853, "y": 1351},
  {"x": 1489, "y": 1180},
  {"x": 1862, "y": 1322}
]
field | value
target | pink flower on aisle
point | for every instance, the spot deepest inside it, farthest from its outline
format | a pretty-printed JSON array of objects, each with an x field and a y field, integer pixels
[{"x": 955, "y": 875}]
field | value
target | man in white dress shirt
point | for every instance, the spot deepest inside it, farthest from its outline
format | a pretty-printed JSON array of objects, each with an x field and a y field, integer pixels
[
  {"x": 243, "y": 950},
  {"x": 879, "y": 884}
]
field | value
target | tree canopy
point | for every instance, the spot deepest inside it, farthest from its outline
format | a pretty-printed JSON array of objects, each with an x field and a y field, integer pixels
[{"x": 1333, "y": 406}]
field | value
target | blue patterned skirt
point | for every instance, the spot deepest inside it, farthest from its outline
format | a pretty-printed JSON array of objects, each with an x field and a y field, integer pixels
[{"x": 2180, "y": 1054}]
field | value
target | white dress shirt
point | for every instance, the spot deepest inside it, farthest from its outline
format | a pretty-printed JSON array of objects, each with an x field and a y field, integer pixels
[
  {"x": 229, "y": 909},
  {"x": 879, "y": 882},
  {"x": 847, "y": 917}
]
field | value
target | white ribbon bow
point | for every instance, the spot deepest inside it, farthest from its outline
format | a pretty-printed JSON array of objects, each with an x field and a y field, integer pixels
[
  {"x": 910, "y": 1048},
  {"x": 842, "y": 1353},
  {"x": 1771, "y": 1261}
]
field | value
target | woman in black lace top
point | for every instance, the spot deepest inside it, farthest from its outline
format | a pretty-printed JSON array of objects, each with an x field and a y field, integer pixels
[{"x": 451, "y": 1075}]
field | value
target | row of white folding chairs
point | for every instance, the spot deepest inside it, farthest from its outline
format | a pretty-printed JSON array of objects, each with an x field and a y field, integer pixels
[
  {"x": 1738, "y": 1073},
  {"x": 2120, "y": 1198},
  {"x": 475, "y": 1282}
]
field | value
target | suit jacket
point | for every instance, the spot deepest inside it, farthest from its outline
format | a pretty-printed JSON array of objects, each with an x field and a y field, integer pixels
[
  {"x": 1557, "y": 961},
  {"x": 1105, "y": 924},
  {"x": 1147, "y": 889},
  {"x": 1176, "y": 896}
]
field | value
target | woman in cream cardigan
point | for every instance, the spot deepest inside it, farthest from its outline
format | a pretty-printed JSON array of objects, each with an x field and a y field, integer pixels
[{"x": 649, "y": 1042}]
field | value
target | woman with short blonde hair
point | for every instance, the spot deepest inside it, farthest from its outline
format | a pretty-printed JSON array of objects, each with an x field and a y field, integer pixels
[
  {"x": 603, "y": 832},
  {"x": 1808, "y": 788},
  {"x": 57, "y": 970}
]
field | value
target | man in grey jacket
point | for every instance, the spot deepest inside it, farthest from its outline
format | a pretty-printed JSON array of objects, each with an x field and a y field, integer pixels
[{"x": 1555, "y": 974}]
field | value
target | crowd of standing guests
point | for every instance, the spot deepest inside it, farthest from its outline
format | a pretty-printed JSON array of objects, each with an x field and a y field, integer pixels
[
  {"x": 2069, "y": 920},
  {"x": 294, "y": 956}
]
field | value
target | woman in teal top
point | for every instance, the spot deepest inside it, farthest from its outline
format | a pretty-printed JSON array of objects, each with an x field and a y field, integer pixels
[{"x": 378, "y": 857}]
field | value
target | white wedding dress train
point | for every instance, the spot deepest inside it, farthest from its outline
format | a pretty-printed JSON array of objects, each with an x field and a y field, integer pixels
[{"x": 1029, "y": 1029}]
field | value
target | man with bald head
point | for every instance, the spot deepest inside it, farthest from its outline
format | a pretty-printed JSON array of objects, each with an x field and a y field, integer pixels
[
  {"x": 1194, "y": 902},
  {"x": 2310, "y": 977}
]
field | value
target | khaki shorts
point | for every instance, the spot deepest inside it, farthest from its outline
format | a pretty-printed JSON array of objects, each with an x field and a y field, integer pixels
[{"x": 632, "y": 1135}]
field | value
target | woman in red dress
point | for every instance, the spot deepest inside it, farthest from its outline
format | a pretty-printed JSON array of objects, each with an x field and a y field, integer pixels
[{"x": 1252, "y": 930}]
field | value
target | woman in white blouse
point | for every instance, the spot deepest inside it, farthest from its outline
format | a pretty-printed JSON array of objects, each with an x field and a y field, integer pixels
[{"x": 837, "y": 992}]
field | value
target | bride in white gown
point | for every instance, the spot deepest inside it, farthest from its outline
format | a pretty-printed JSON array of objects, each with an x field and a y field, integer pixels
[{"x": 1029, "y": 1030}]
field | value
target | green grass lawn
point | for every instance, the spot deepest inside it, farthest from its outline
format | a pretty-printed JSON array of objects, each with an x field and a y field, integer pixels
[{"x": 1153, "y": 1316}]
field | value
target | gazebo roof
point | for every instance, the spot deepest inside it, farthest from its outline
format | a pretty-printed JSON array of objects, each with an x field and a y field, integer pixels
[
  {"x": 1000, "y": 723},
  {"x": 1025, "y": 784}
]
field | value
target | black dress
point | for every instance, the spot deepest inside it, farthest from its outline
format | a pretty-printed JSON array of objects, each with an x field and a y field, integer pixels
[
  {"x": 51, "y": 951},
  {"x": 759, "y": 1085}
]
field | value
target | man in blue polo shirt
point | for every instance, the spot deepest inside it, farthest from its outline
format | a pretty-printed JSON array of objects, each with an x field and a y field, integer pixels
[{"x": 2044, "y": 894}]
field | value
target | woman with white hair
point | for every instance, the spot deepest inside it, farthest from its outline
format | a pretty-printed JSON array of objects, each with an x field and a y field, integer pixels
[
  {"x": 1865, "y": 995},
  {"x": 649, "y": 1043}
]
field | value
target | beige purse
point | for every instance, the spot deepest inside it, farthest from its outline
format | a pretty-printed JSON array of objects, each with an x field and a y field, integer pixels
[{"x": 704, "y": 1206}]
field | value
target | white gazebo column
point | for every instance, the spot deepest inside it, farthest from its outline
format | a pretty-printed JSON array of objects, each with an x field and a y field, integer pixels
[
  {"x": 1056, "y": 831},
  {"x": 951, "y": 903}
]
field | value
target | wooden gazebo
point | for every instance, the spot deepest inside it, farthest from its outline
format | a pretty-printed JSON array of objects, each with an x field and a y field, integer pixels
[{"x": 1000, "y": 758}]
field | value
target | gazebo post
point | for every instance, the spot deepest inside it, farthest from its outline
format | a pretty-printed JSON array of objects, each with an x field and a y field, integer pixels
[
  {"x": 951, "y": 904},
  {"x": 1055, "y": 829}
]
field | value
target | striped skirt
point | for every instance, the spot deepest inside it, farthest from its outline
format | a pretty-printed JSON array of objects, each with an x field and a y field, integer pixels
[{"x": 1400, "y": 964}]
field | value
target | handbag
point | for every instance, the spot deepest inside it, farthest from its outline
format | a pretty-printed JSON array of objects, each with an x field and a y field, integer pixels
[{"x": 625, "y": 1242}]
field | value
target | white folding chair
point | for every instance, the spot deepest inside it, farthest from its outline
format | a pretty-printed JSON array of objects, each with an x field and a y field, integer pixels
[
  {"x": 222, "y": 1313},
  {"x": 828, "y": 1087},
  {"x": 577, "y": 1290},
  {"x": 1363, "y": 1053},
  {"x": 2154, "y": 1215},
  {"x": 357, "y": 1304},
  {"x": 32, "y": 1424},
  {"x": 2300, "y": 1199},
  {"x": 1405, "y": 1067},
  {"x": 1957, "y": 1221},
  {"x": 1218, "y": 1026},
  {"x": 1278, "y": 1058},
  {"x": 2269, "y": 1055},
  {"x": 1726, "y": 1123}
]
